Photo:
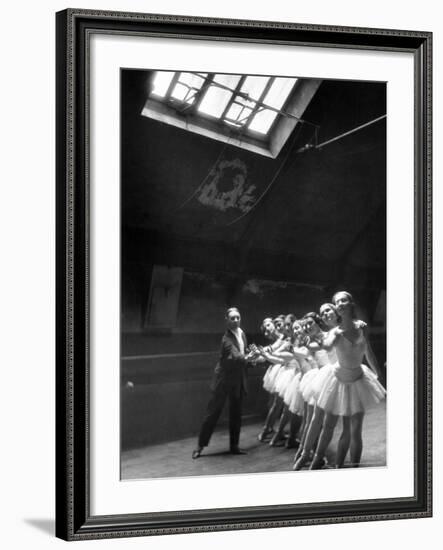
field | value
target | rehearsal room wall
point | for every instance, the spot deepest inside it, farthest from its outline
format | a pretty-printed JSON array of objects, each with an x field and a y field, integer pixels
[{"x": 304, "y": 241}]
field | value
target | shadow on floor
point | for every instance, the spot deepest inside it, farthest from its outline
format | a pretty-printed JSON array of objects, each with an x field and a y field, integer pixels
[{"x": 45, "y": 525}]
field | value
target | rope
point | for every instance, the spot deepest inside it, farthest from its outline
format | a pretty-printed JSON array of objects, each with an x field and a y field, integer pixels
[
  {"x": 350, "y": 131},
  {"x": 302, "y": 149}
]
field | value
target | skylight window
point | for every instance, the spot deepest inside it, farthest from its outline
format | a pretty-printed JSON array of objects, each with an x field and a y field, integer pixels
[
  {"x": 188, "y": 86},
  {"x": 257, "y": 113},
  {"x": 161, "y": 83},
  {"x": 216, "y": 98},
  {"x": 275, "y": 97},
  {"x": 244, "y": 102},
  {"x": 253, "y": 86}
]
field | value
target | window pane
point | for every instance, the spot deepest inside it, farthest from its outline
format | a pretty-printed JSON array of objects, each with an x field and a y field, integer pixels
[
  {"x": 180, "y": 92},
  {"x": 276, "y": 97},
  {"x": 238, "y": 113},
  {"x": 254, "y": 86},
  {"x": 262, "y": 121},
  {"x": 279, "y": 91},
  {"x": 234, "y": 111},
  {"x": 187, "y": 85},
  {"x": 195, "y": 80},
  {"x": 161, "y": 82},
  {"x": 216, "y": 98}
]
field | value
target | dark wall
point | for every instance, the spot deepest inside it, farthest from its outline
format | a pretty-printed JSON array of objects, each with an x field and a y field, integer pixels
[{"x": 169, "y": 397}]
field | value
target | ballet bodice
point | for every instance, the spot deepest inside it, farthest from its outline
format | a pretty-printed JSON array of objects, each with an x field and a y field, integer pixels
[{"x": 350, "y": 356}]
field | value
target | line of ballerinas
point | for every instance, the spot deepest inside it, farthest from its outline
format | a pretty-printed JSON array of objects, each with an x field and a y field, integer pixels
[{"x": 315, "y": 376}]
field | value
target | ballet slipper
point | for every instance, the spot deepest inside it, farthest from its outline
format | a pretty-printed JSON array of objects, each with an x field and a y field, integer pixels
[
  {"x": 298, "y": 453},
  {"x": 264, "y": 434},
  {"x": 301, "y": 461},
  {"x": 277, "y": 440},
  {"x": 318, "y": 462}
]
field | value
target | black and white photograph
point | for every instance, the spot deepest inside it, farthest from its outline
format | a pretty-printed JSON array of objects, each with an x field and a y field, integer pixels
[{"x": 252, "y": 274}]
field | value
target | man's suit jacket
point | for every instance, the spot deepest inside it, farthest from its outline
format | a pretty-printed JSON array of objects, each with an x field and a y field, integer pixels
[{"x": 230, "y": 371}]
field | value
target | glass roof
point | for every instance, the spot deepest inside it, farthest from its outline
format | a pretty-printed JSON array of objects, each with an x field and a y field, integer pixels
[{"x": 250, "y": 103}]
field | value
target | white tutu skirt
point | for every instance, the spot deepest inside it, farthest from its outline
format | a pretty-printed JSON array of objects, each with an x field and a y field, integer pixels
[
  {"x": 283, "y": 380},
  {"x": 270, "y": 376},
  {"x": 336, "y": 390},
  {"x": 306, "y": 384},
  {"x": 293, "y": 397}
]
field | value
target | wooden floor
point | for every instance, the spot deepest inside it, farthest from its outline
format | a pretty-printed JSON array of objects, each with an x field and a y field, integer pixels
[{"x": 174, "y": 459}]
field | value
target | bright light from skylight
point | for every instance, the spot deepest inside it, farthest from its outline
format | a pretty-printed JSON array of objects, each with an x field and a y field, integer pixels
[
  {"x": 238, "y": 114},
  {"x": 161, "y": 82},
  {"x": 254, "y": 86},
  {"x": 262, "y": 121},
  {"x": 279, "y": 92},
  {"x": 275, "y": 97},
  {"x": 216, "y": 98},
  {"x": 187, "y": 86},
  {"x": 236, "y": 101}
]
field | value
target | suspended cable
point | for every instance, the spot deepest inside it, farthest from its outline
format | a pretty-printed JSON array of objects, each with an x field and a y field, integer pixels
[{"x": 340, "y": 136}]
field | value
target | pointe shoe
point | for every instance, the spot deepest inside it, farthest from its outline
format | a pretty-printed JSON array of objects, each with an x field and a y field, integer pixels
[
  {"x": 264, "y": 434},
  {"x": 277, "y": 441},
  {"x": 298, "y": 453},
  {"x": 318, "y": 463},
  {"x": 300, "y": 462}
]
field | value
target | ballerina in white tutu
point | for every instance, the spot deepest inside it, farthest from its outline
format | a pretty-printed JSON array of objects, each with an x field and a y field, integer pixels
[
  {"x": 271, "y": 333},
  {"x": 287, "y": 385},
  {"x": 316, "y": 359},
  {"x": 329, "y": 320},
  {"x": 346, "y": 388},
  {"x": 279, "y": 375},
  {"x": 289, "y": 357}
]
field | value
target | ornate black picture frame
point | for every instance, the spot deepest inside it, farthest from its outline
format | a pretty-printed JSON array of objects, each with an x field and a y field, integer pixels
[{"x": 74, "y": 520}]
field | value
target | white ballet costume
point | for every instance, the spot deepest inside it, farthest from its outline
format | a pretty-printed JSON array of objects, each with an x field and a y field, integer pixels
[
  {"x": 293, "y": 396},
  {"x": 286, "y": 378},
  {"x": 319, "y": 360},
  {"x": 271, "y": 380},
  {"x": 272, "y": 371},
  {"x": 270, "y": 376},
  {"x": 345, "y": 386}
]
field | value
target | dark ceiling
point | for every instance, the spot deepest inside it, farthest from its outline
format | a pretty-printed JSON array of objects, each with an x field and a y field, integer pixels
[{"x": 323, "y": 207}]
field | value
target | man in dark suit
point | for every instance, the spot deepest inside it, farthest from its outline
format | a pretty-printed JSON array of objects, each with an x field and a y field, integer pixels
[{"x": 229, "y": 382}]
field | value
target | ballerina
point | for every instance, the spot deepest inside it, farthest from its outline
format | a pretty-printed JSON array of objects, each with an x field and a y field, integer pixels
[
  {"x": 271, "y": 333},
  {"x": 292, "y": 396},
  {"x": 280, "y": 374},
  {"x": 288, "y": 356},
  {"x": 347, "y": 388},
  {"x": 330, "y": 318},
  {"x": 317, "y": 358}
]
